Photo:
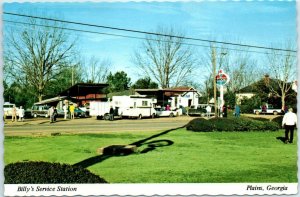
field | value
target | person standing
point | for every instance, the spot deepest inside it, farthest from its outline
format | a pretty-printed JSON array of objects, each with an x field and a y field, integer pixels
[
  {"x": 51, "y": 113},
  {"x": 289, "y": 122},
  {"x": 65, "y": 108},
  {"x": 55, "y": 114},
  {"x": 168, "y": 108},
  {"x": 111, "y": 113},
  {"x": 224, "y": 111},
  {"x": 264, "y": 109},
  {"x": 237, "y": 111},
  {"x": 72, "y": 111},
  {"x": 14, "y": 114},
  {"x": 208, "y": 111},
  {"x": 21, "y": 113}
]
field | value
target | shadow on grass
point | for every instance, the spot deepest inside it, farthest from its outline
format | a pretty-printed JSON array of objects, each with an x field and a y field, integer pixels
[
  {"x": 151, "y": 145},
  {"x": 281, "y": 139}
]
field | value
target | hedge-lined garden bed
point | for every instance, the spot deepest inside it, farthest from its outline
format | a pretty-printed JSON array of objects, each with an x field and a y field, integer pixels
[
  {"x": 231, "y": 124},
  {"x": 34, "y": 172}
]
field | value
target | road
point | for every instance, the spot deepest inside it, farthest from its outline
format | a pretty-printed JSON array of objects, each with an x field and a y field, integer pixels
[{"x": 37, "y": 127}]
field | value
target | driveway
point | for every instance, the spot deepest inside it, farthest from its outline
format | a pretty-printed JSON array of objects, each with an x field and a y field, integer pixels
[{"x": 41, "y": 126}]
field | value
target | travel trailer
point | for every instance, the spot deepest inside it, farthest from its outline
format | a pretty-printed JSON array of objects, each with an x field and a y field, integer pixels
[
  {"x": 101, "y": 110},
  {"x": 135, "y": 106}
]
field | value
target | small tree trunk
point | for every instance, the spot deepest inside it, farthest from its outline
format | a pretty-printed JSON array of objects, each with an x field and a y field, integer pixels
[
  {"x": 282, "y": 101},
  {"x": 40, "y": 97}
]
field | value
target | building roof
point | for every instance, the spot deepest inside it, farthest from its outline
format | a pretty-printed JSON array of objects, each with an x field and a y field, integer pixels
[
  {"x": 82, "y": 89},
  {"x": 166, "y": 91},
  {"x": 51, "y": 100}
]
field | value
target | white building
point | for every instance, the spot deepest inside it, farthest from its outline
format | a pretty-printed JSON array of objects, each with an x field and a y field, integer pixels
[{"x": 186, "y": 99}]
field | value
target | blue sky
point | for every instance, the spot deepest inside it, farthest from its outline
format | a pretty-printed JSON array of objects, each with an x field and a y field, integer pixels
[{"x": 265, "y": 23}]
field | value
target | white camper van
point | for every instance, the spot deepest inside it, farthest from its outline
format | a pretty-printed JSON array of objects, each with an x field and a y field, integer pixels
[{"x": 135, "y": 106}]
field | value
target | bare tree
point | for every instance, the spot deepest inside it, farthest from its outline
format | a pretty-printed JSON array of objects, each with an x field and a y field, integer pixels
[
  {"x": 242, "y": 69},
  {"x": 97, "y": 71},
  {"x": 36, "y": 53},
  {"x": 283, "y": 69},
  {"x": 165, "y": 59}
]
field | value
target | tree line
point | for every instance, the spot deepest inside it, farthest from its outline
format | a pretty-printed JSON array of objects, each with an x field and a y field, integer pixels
[{"x": 42, "y": 60}]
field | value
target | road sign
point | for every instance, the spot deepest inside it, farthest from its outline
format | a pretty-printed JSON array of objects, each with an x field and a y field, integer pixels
[{"x": 222, "y": 78}]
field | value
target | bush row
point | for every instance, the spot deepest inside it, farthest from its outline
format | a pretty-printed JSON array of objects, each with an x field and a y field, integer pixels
[
  {"x": 33, "y": 172},
  {"x": 231, "y": 124}
]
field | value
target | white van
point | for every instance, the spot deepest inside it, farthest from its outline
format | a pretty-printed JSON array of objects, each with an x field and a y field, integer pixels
[
  {"x": 40, "y": 110},
  {"x": 7, "y": 108}
]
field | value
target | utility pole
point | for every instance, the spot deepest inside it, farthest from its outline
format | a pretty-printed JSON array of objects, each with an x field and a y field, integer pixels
[
  {"x": 213, "y": 61},
  {"x": 72, "y": 75}
]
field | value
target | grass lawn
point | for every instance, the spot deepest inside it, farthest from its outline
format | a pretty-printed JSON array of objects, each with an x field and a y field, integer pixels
[{"x": 179, "y": 156}]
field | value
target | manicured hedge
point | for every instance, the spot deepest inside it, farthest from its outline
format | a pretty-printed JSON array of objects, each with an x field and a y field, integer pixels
[
  {"x": 231, "y": 124},
  {"x": 33, "y": 172}
]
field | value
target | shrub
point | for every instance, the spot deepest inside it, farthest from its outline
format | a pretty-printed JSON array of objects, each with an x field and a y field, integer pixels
[
  {"x": 260, "y": 118},
  {"x": 231, "y": 124},
  {"x": 200, "y": 124},
  {"x": 33, "y": 172},
  {"x": 278, "y": 120}
]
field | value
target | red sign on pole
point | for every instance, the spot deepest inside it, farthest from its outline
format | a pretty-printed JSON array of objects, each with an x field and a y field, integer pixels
[{"x": 222, "y": 78}]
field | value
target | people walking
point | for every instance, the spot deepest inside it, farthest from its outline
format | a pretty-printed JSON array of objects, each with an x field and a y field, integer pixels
[
  {"x": 14, "y": 114},
  {"x": 208, "y": 111},
  {"x": 51, "y": 113},
  {"x": 21, "y": 113},
  {"x": 65, "y": 108},
  {"x": 289, "y": 122},
  {"x": 111, "y": 113},
  {"x": 237, "y": 111},
  {"x": 72, "y": 111}
]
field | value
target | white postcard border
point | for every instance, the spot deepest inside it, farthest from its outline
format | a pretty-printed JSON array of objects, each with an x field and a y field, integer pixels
[{"x": 151, "y": 189}]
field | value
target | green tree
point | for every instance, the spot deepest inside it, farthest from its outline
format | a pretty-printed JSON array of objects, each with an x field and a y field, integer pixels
[
  {"x": 248, "y": 104},
  {"x": 230, "y": 98},
  {"x": 18, "y": 94},
  {"x": 118, "y": 81},
  {"x": 144, "y": 83}
]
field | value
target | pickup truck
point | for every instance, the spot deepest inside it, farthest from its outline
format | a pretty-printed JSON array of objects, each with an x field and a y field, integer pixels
[
  {"x": 270, "y": 110},
  {"x": 200, "y": 110}
]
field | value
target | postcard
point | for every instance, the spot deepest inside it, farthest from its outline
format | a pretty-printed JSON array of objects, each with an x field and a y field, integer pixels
[{"x": 149, "y": 98}]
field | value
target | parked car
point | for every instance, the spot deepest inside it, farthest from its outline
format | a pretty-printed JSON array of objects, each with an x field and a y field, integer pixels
[
  {"x": 79, "y": 113},
  {"x": 269, "y": 110},
  {"x": 160, "y": 112},
  {"x": 40, "y": 110},
  {"x": 60, "y": 113},
  {"x": 200, "y": 110}
]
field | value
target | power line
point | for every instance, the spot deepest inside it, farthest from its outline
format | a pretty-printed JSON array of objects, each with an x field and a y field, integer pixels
[
  {"x": 134, "y": 37},
  {"x": 151, "y": 33}
]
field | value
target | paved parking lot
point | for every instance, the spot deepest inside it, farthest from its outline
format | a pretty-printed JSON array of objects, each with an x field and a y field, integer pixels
[{"x": 42, "y": 126}]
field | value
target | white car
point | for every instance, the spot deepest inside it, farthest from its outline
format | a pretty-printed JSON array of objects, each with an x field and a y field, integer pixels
[{"x": 160, "y": 112}]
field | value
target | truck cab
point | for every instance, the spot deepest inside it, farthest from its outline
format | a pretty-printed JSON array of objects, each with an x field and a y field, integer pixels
[{"x": 269, "y": 110}]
